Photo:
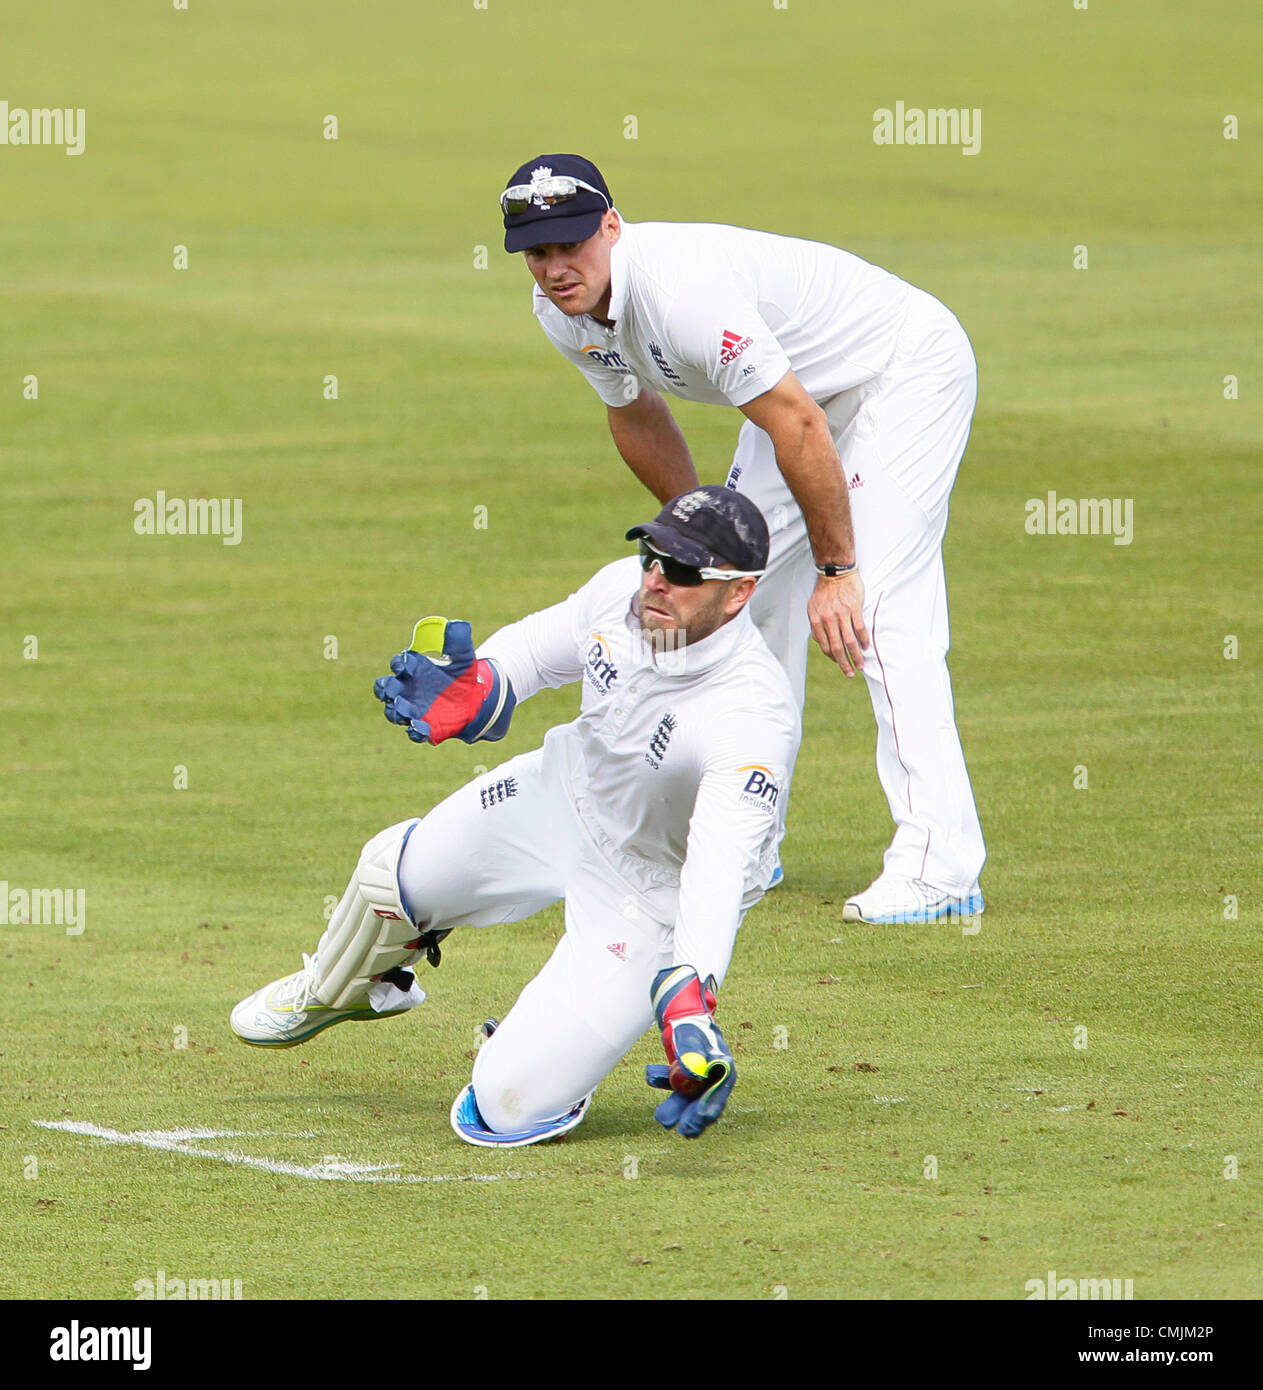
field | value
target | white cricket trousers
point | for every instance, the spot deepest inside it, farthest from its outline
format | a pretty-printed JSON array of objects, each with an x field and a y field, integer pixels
[
  {"x": 900, "y": 437},
  {"x": 501, "y": 848}
]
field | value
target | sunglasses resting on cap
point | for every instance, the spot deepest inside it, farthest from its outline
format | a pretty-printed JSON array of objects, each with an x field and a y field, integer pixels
[{"x": 545, "y": 192}]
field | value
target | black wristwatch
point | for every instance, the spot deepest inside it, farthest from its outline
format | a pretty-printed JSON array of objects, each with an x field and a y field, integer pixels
[{"x": 835, "y": 571}]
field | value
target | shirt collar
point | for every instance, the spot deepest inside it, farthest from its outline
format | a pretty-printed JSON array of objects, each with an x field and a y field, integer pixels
[
  {"x": 619, "y": 274},
  {"x": 694, "y": 658}
]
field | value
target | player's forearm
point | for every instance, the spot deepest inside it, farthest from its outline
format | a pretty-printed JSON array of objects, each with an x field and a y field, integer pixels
[
  {"x": 729, "y": 836},
  {"x": 536, "y": 652},
  {"x": 809, "y": 463},
  {"x": 705, "y": 928},
  {"x": 653, "y": 446}
]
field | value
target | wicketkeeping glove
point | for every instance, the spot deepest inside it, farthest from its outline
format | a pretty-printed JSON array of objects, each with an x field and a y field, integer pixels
[
  {"x": 700, "y": 1073},
  {"x": 441, "y": 690}
]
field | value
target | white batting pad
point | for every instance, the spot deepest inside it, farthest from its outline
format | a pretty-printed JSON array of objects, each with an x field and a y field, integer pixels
[{"x": 369, "y": 932}]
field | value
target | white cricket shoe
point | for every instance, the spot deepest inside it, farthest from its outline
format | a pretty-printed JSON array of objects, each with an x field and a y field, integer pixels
[
  {"x": 893, "y": 901},
  {"x": 287, "y": 1012}
]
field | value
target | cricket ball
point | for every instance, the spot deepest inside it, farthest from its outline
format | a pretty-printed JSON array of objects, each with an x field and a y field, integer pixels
[{"x": 686, "y": 1083}]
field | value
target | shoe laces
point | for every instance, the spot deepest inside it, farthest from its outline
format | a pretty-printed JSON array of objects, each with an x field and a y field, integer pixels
[
  {"x": 300, "y": 989},
  {"x": 929, "y": 895}
]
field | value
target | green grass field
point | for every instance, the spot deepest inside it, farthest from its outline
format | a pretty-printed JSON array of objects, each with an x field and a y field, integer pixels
[{"x": 1108, "y": 905}]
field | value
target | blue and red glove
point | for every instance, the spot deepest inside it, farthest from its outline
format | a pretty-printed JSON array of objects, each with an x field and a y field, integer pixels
[
  {"x": 700, "y": 1072},
  {"x": 441, "y": 690}
]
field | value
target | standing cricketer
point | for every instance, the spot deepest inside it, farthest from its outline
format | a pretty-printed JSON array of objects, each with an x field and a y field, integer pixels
[
  {"x": 858, "y": 390},
  {"x": 653, "y": 815}
]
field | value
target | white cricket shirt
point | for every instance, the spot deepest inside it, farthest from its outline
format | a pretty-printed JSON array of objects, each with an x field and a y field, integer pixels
[
  {"x": 677, "y": 760},
  {"x": 719, "y": 314}
]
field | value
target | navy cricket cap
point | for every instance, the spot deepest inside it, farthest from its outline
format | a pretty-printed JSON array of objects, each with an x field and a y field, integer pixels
[
  {"x": 576, "y": 219},
  {"x": 709, "y": 526}
]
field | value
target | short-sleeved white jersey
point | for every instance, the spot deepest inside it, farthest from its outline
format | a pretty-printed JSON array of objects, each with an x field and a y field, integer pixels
[
  {"x": 677, "y": 760},
  {"x": 719, "y": 314}
]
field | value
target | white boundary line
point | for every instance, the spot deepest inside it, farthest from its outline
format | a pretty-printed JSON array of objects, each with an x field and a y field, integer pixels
[{"x": 330, "y": 1169}]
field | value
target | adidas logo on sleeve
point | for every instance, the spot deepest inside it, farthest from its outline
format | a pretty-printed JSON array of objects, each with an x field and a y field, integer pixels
[{"x": 733, "y": 346}]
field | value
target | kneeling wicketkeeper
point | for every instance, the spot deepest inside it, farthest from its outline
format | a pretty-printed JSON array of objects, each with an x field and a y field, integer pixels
[{"x": 653, "y": 815}]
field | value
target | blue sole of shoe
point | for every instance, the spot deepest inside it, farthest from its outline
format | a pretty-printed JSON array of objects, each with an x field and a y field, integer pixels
[{"x": 961, "y": 908}]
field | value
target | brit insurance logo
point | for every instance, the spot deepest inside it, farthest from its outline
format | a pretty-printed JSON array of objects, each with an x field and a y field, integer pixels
[
  {"x": 599, "y": 669},
  {"x": 607, "y": 357},
  {"x": 732, "y": 347},
  {"x": 663, "y": 365},
  {"x": 761, "y": 788}
]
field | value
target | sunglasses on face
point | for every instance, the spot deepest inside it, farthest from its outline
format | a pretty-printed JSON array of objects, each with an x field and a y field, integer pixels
[
  {"x": 560, "y": 188},
  {"x": 686, "y": 576}
]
